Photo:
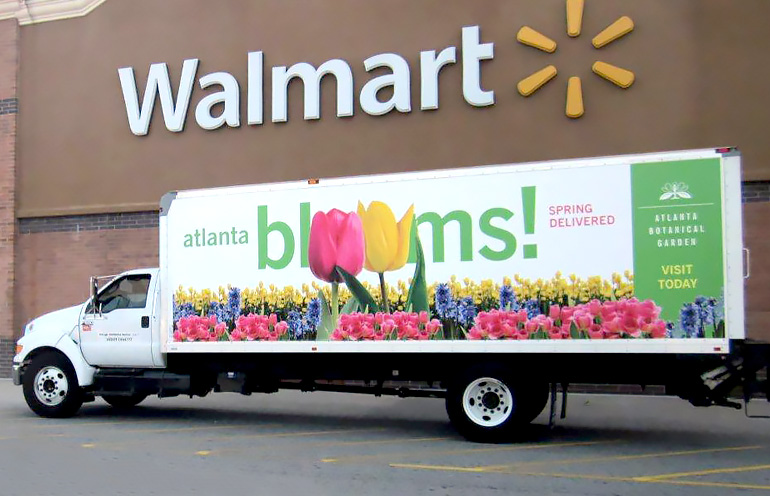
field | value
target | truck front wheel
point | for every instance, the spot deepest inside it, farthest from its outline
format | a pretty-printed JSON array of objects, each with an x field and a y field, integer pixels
[
  {"x": 51, "y": 386},
  {"x": 487, "y": 405}
]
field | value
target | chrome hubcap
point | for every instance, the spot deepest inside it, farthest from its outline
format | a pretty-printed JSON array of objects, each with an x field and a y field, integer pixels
[
  {"x": 487, "y": 402},
  {"x": 51, "y": 386}
]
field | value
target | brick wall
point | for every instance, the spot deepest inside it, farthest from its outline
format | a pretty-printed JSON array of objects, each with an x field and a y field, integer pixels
[
  {"x": 98, "y": 222},
  {"x": 756, "y": 191},
  {"x": 8, "y": 112},
  {"x": 53, "y": 268}
]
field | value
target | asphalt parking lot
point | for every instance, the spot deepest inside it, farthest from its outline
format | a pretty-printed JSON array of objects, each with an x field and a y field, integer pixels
[{"x": 328, "y": 443}]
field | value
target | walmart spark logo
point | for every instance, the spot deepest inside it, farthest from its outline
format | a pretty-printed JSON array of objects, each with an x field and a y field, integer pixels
[{"x": 616, "y": 75}]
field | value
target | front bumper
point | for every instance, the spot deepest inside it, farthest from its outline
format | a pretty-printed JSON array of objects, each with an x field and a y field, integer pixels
[{"x": 16, "y": 373}]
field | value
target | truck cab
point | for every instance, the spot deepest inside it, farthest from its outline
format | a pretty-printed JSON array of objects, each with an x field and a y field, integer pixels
[{"x": 60, "y": 352}]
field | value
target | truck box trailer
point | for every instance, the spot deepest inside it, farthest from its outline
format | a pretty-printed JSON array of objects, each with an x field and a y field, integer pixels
[{"x": 486, "y": 286}]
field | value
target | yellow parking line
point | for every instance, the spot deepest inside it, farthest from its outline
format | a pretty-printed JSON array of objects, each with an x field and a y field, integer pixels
[
  {"x": 447, "y": 468},
  {"x": 728, "y": 485},
  {"x": 311, "y": 433},
  {"x": 642, "y": 480},
  {"x": 460, "y": 451},
  {"x": 516, "y": 468},
  {"x": 323, "y": 444},
  {"x": 677, "y": 475},
  {"x": 178, "y": 429},
  {"x": 119, "y": 444},
  {"x": 384, "y": 441},
  {"x": 571, "y": 461},
  {"x": 32, "y": 436},
  {"x": 285, "y": 434},
  {"x": 577, "y": 476}
]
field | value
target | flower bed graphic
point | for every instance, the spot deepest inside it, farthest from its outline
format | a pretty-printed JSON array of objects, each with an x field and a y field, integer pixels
[
  {"x": 342, "y": 244},
  {"x": 517, "y": 309}
]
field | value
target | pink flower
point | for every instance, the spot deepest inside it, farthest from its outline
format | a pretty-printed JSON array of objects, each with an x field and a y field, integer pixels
[
  {"x": 648, "y": 310},
  {"x": 477, "y": 333},
  {"x": 220, "y": 329},
  {"x": 594, "y": 307},
  {"x": 197, "y": 328},
  {"x": 630, "y": 325},
  {"x": 596, "y": 332},
  {"x": 658, "y": 329},
  {"x": 336, "y": 239},
  {"x": 555, "y": 333},
  {"x": 380, "y": 326},
  {"x": 530, "y": 326},
  {"x": 583, "y": 320},
  {"x": 434, "y": 326},
  {"x": 554, "y": 312}
]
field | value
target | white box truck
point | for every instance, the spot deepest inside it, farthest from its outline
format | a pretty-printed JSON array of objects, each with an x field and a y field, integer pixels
[{"x": 487, "y": 286}]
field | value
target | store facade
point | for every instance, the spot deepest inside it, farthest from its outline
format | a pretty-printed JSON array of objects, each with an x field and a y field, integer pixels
[{"x": 271, "y": 91}]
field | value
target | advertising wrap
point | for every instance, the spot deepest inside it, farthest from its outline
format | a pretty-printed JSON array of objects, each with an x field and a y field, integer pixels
[{"x": 554, "y": 251}]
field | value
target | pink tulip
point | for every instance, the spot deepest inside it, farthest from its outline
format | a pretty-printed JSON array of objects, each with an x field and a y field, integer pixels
[
  {"x": 220, "y": 329},
  {"x": 546, "y": 323},
  {"x": 554, "y": 312},
  {"x": 658, "y": 329},
  {"x": 336, "y": 239},
  {"x": 648, "y": 310},
  {"x": 566, "y": 313},
  {"x": 555, "y": 333},
  {"x": 608, "y": 313},
  {"x": 630, "y": 325},
  {"x": 594, "y": 306},
  {"x": 596, "y": 332},
  {"x": 530, "y": 326},
  {"x": 476, "y": 333},
  {"x": 583, "y": 320}
]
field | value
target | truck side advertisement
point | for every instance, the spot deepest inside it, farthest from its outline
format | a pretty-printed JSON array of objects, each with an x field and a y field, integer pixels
[{"x": 574, "y": 250}]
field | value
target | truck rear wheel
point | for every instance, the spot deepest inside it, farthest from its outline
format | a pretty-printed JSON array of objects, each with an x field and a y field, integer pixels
[
  {"x": 124, "y": 402},
  {"x": 51, "y": 386},
  {"x": 487, "y": 405}
]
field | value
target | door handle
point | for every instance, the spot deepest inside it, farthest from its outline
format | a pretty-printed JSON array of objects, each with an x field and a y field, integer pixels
[{"x": 145, "y": 322}]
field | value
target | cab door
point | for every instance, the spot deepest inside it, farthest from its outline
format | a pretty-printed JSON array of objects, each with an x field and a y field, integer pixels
[{"x": 116, "y": 331}]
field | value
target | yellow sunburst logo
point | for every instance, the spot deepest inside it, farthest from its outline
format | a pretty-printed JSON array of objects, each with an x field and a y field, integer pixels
[{"x": 618, "y": 76}]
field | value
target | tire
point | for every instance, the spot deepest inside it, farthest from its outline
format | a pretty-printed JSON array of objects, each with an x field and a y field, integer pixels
[
  {"x": 535, "y": 399},
  {"x": 124, "y": 402},
  {"x": 486, "y": 404},
  {"x": 51, "y": 386}
]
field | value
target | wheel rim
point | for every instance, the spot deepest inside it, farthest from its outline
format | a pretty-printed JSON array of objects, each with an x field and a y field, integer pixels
[
  {"x": 487, "y": 402},
  {"x": 51, "y": 386}
]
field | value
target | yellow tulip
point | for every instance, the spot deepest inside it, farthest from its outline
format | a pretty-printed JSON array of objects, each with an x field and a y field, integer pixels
[{"x": 387, "y": 243}]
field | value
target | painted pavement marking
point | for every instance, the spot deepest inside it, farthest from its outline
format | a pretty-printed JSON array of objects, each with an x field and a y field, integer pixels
[
  {"x": 353, "y": 459},
  {"x": 669, "y": 478}
]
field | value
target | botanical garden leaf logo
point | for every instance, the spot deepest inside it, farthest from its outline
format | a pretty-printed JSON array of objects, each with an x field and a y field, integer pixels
[
  {"x": 675, "y": 191},
  {"x": 620, "y": 77}
]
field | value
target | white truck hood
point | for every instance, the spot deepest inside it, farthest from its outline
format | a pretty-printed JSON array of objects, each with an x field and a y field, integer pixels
[{"x": 59, "y": 321}]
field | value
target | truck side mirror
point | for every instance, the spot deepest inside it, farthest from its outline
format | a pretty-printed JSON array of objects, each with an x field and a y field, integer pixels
[{"x": 94, "y": 296}]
